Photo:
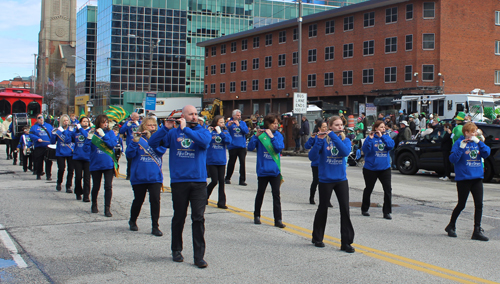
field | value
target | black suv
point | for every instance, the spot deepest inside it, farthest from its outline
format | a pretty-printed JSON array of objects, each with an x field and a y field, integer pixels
[{"x": 425, "y": 152}]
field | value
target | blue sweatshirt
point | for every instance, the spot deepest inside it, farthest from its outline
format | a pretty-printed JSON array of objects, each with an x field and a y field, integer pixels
[
  {"x": 25, "y": 140},
  {"x": 216, "y": 153},
  {"x": 98, "y": 159},
  {"x": 81, "y": 151},
  {"x": 376, "y": 152},
  {"x": 237, "y": 135},
  {"x": 266, "y": 166},
  {"x": 63, "y": 141},
  {"x": 128, "y": 130},
  {"x": 467, "y": 161},
  {"x": 37, "y": 132},
  {"x": 331, "y": 157},
  {"x": 146, "y": 162},
  {"x": 188, "y": 152},
  {"x": 309, "y": 144}
]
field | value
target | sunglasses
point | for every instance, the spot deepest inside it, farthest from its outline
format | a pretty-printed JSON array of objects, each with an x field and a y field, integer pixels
[{"x": 39, "y": 117}]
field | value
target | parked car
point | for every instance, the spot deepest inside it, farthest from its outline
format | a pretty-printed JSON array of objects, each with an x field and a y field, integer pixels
[{"x": 425, "y": 152}]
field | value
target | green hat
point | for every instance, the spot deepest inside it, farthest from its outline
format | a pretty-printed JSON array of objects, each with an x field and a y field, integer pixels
[
  {"x": 423, "y": 113},
  {"x": 460, "y": 116}
]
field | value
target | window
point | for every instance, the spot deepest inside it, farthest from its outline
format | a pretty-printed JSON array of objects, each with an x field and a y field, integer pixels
[
  {"x": 348, "y": 50},
  {"x": 409, "y": 43},
  {"x": 222, "y": 87},
  {"x": 223, "y": 49},
  {"x": 329, "y": 53},
  {"x": 213, "y": 70},
  {"x": 427, "y": 72},
  {"x": 269, "y": 39},
  {"x": 408, "y": 73},
  {"x": 232, "y": 87},
  {"x": 256, "y": 42},
  {"x": 206, "y": 70},
  {"x": 348, "y": 23},
  {"x": 391, "y": 44},
  {"x": 369, "y": 47},
  {"x": 409, "y": 11},
  {"x": 214, "y": 50},
  {"x": 206, "y": 51},
  {"x": 311, "y": 55},
  {"x": 391, "y": 15},
  {"x": 243, "y": 86},
  {"x": 282, "y": 37},
  {"x": 329, "y": 79},
  {"x": 428, "y": 41},
  {"x": 244, "y": 44},
  {"x": 206, "y": 89},
  {"x": 267, "y": 84},
  {"x": 330, "y": 27},
  {"x": 243, "y": 65},
  {"x": 368, "y": 76},
  {"x": 223, "y": 68},
  {"x": 497, "y": 18},
  {"x": 281, "y": 60},
  {"x": 268, "y": 62},
  {"x": 390, "y": 74},
  {"x": 313, "y": 30},
  {"x": 295, "y": 34},
  {"x": 369, "y": 19},
  {"x": 295, "y": 58},
  {"x": 281, "y": 83},
  {"x": 233, "y": 46},
  {"x": 428, "y": 9},
  {"x": 255, "y": 85},
  {"x": 311, "y": 80},
  {"x": 295, "y": 82},
  {"x": 497, "y": 47},
  {"x": 255, "y": 64},
  {"x": 347, "y": 77},
  {"x": 233, "y": 67},
  {"x": 497, "y": 77},
  {"x": 212, "y": 88}
]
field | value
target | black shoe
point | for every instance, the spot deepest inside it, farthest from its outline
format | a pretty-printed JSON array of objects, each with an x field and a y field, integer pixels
[
  {"x": 177, "y": 256},
  {"x": 34, "y": 173},
  {"x": 128, "y": 178},
  {"x": 25, "y": 170},
  {"x": 330, "y": 205},
  {"x": 15, "y": 162},
  {"x": 279, "y": 224},
  {"x": 227, "y": 181},
  {"x": 49, "y": 178},
  {"x": 68, "y": 190},
  {"x": 201, "y": 263},
  {"x": 365, "y": 213},
  {"x": 78, "y": 197},
  {"x": 38, "y": 177},
  {"x": 311, "y": 200},
  {"x": 86, "y": 199},
  {"x": 94, "y": 208},
  {"x": 318, "y": 244},
  {"x": 8, "y": 157},
  {"x": 388, "y": 216},
  {"x": 243, "y": 184},
  {"x": 107, "y": 211},
  {"x": 222, "y": 206},
  {"x": 133, "y": 226},
  {"x": 478, "y": 234},
  {"x": 451, "y": 231},
  {"x": 256, "y": 220},
  {"x": 156, "y": 232},
  {"x": 58, "y": 187},
  {"x": 347, "y": 248}
]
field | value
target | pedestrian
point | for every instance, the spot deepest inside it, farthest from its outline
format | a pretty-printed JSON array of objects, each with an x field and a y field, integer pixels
[
  {"x": 40, "y": 134},
  {"x": 128, "y": 129},
  {"x": 344, "y": 121},
  {"x": 62, "y": 137},
  {"x": 7, "y": 136},
  {"x": 145, "y": 174},
  {"x": 466, "y": 154},
  {"x": 446, "y": 146},
  {"x": 365, "y": 123},
  {"x": 404, "y": 133},
  {"x": 296, "y": 134},
  {"x": 457, "y": 130},
  {"x": 102, "y": 162},
  {"x": 304, "y": 132},
  {"x": 188, "y": 145},
  {"x": 238, "y": 147},
  {"x": 359, "y": 125},
  {"x": 401, "y": 117},
  {"x": 81, "y": 159},
  {"x": 377, "y": 166},
  {"x": 331, "y": 149},
  {"x": 412, "y": 125},
  {"x": 25, "y": 147},
  {"x": 14, "y": 141},
  {"x": 216, "y": 158},
  {"x": 269, "y": 144}
]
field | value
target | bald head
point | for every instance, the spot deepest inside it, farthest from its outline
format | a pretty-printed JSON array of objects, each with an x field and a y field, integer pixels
[
  {"x": 190, "y": 113},
  {"x": 134, "y": 116}
]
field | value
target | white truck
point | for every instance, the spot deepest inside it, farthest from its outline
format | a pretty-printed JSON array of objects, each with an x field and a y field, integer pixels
[{"x": 165, "y": 106}]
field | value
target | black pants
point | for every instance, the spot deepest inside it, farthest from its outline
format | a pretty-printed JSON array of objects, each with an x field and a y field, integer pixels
[
  {"x": 96, "y": 185},
  {"x": 315, "y": 181},
  {"x": 184, "y": 193},
  {"x": 239, "y": 153},
  {"x": 8, "y": 148},
  {"x": 140, "y": 191},
  {"x": 447, "y": 164},
  {"x": 61, "y": 167},
  {"x": 217, "y": 176},
  {"x": 275, "y": 189},
  {"x": 474, "y": 186},
  {"x": 82, "y": 170},
  {"x": 39, "y": 155},
  {"x": 129, "y": 164},
  {"x": 325, "y": 193},
  {"x": 370, "y": 179},
  {"x": 13, "y": 148},
  {"x": 27, "y": 162}
]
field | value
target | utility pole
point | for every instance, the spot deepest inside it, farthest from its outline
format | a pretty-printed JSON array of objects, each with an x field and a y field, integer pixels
[
  {"x": 152, "y": 46},
  {"x": 299, "y": 75},
  {"x": 33, "y": 79}
]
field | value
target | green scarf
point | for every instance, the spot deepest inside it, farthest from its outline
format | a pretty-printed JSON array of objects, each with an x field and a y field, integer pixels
[
  {"x": 266, "y": 141},
  {"x": 103, "y": 147}
]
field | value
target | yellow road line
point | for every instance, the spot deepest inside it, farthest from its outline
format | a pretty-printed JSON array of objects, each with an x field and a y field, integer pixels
[{"x": 371, "y": 252}]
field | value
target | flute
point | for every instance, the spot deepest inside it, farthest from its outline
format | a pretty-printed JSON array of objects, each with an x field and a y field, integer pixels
[{"x": 176, "y": 121}]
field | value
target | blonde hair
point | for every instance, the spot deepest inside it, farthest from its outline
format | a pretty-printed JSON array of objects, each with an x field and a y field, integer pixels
[
  {"x": 330, "y": 123},
  {"x": 62, "y": 117},
  {"x": 145, "y": 122}
]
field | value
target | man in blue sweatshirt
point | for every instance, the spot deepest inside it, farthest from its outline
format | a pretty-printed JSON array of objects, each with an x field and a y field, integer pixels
[
  {"x": 128, "y": 128},
  {"x": 238, "y": 147},
  {"x": 188, "y": 177},
  {"x": 40, "y": 134}
]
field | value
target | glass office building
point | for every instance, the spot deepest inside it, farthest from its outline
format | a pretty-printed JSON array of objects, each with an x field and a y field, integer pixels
[{"x": 86, "y": 43}]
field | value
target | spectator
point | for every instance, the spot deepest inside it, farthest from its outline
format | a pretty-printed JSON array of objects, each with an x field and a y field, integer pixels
[
  {"x": 296, "y": 134},
  {"x": 304, "y": 132}
]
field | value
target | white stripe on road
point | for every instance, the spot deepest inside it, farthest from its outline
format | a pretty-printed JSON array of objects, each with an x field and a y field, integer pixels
[{"x": 7, "y": 241}]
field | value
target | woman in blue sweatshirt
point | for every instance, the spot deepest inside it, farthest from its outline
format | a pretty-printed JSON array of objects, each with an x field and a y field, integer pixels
[
  {"x": 145, "y": 174},
  {"x": 102, "y": 164},
  {"x": 26, "y": 145},
  {"x": 61, "y": 136},
  {"x": 377, "y": 166},
  {"x": 216, "y": 158},
  {"x": 330, "y": 150},
  {"x": 466, "y": 154},
  {"x": 81, "y": 160},
  {"x": 268, "y": 170}
]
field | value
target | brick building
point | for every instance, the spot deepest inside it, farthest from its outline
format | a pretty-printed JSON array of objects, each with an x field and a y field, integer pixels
[{"x": 369, "y": 52}]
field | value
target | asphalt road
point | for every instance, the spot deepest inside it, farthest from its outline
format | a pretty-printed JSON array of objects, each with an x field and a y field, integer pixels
[{"x": 62, "y": 242}]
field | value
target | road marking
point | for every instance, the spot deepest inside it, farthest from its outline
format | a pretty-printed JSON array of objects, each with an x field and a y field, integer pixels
[
  {"x": 7, "y": 241},
  {"x": 371, "y": 252}
]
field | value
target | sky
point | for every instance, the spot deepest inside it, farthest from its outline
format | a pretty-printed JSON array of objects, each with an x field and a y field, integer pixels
[{"x": 19, "y": 27}]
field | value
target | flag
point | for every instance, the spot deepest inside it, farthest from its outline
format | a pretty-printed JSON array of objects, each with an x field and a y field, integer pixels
[
  {"x": 82, "y": 112},
  {"x": 51, "y": 83},
  {"x": 117, "y": 113}
]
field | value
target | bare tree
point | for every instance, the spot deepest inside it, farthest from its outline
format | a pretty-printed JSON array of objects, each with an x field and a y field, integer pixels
[{"x": 56, "y": 97}]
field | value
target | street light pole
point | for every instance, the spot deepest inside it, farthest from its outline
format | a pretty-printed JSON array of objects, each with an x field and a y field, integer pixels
[
  {"x": 152, "y": 46},
  {"x": 92, "y": 80}
]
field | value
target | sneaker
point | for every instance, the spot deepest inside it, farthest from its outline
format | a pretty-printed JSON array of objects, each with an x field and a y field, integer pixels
[
  {"x": 445, "y": 179},
  {"x": 441, "y": 178}
]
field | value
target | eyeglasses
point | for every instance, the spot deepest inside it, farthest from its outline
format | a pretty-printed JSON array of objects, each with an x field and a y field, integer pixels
[{"x": 40, "y": 117}]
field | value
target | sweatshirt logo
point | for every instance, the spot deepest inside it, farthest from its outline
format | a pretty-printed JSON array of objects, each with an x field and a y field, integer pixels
[
  {"x": 81, "y": 138},
  {"x": 218, "y": 139},
  {"x": 334, "y": 151},
  {"x": 381, "y": 146},
  {"x": 237, "y": 130},
  {"x": 473, "y": 154},
  {"x": 186, "y": 143}
]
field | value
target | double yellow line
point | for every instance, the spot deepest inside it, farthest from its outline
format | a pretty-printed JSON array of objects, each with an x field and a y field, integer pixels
[{"x": 378, "y": 254}]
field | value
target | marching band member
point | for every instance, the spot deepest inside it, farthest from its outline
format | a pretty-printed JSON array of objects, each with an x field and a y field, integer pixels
[
  {"x": 238, "y": 147},
  {"x": 40, "y": 134},
  {"x": 81, "y": 160},
  {"x": 26, "y": 146},
  {"x": 119, "y": 143},
  {"x": 62, "y": 137},
  {"x": 128, "y": 129}
]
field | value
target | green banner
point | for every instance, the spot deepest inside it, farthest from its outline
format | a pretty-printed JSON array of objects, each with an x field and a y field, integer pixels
[
  {"x": 266, "y": 141},
  {"x": 103, "y": 147}
]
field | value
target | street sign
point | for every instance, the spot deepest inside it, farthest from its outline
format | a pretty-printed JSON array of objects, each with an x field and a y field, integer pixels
[
  {"x": 90, "y": 104},
  {"x": 371, "y": 109},
  {"x": 150, "y": 101},
  {"x": 300, "y": 103}
]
